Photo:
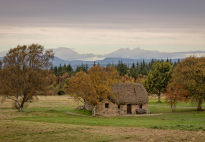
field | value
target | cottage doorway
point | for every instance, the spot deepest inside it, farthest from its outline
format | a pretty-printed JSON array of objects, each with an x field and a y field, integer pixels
[{"x": 129, "y": 109}]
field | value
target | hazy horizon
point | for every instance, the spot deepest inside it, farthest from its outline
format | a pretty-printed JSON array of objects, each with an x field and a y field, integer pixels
[{"x": 68, "y": 54}]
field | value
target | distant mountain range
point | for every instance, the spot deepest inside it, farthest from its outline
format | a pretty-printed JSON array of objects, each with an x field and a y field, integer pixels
[
  {"x": 74, "y": 63},
  {"x": 66, "y": 56},
  {"x": 104, "y": 62},
  {"x": 2, "y": 54}
]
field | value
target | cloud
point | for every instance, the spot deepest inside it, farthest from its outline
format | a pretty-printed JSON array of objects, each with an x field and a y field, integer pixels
[
  {"x": 158, "y": 13},
  {"x": 92, "y": 26},
  {"x": 97, "y": 40},
  {"x": 137, "y": 53}
]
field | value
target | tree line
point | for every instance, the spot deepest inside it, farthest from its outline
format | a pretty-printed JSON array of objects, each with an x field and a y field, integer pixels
[
  {"x": 138, "y": 68},
  {"x": 24, "y": 75}
]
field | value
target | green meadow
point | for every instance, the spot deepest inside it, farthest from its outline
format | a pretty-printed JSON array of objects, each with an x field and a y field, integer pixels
[{"x": 48, "y": 120}]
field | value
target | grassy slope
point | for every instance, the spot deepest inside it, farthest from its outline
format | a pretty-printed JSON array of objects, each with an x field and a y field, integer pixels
[
  {"x": 154, "y": 101},
  {"x": 189, "y": 118},
  {"x": 38, "y": 123}
]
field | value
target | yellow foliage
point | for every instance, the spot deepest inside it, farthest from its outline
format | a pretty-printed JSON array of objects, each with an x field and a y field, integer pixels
[
  {"x": 127, "y": 79},
  {"x": 140, "y": 78},
  {"x": 95, "y": 86},
  {"x": 24, "y": 74},
  {"x": 65, "y": 76}
]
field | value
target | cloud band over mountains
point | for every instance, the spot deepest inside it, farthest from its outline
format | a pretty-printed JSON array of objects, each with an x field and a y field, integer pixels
[{"x": 68, "y": 54}]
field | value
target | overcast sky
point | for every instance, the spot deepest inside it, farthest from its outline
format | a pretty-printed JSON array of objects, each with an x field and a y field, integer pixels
[{"x": 103, "y": 26}]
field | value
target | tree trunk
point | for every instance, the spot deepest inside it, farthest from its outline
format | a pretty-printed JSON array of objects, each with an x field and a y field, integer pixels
[
  {"x": 22, "y": 103},
  {"x": 199, "y": 105},
  {"x": 93, "y": 110},
  {"x": 19, "y": 106},
  {"x": 21, "y": 109},
  {"x": 159, "y": 96}
]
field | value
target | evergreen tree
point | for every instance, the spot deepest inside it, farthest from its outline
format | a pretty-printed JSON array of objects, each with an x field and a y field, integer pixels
[
  {"x": 55, "y": 71},
  {"x": 133, "y": 71},
  {"x": 167, "y": 60},
  {"x": 59, "y": 69},
  {"x": 137, "y": 64},
  {"x": 69, "y": 68},
  {"x": 82, "y": 68},
  {"x": 94, "y": 64},
  {"x": 51, "y": 69},
  {"x": 121, "y": 68}
]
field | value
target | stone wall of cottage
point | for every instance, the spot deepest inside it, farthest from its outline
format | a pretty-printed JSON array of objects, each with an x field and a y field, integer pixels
[
  {"x": 145, "y": 106},
  {"x": 123, "y": 110},
  {"x": 135, "y": 107},
  {"x": 113, "y": 109}
]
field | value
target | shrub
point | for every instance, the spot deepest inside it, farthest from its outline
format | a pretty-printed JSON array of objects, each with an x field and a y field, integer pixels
[
  {"x": 67, "y": 81},
  {"x": 41, "y": 93},
  {"x": 65, "y": 86},
  {"x": 54, "y": 84},
  {"x": 60, "y": 92}
]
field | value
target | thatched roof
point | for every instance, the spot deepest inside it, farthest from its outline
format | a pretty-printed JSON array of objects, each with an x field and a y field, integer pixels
[{"x": 129, "y": 93}]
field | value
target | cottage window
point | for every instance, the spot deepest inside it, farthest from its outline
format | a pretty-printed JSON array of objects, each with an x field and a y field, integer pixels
[
  {"x": 118, "y": 106},
  {"x": 141, "y": 106},
  {"x": 106, "y": 105}
]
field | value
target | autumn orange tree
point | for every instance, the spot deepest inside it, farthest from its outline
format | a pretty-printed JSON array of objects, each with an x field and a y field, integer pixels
[
  {"x": 127, "y": 79},
  {"x": 94, "y": 86},
  {"x": 140, "y": 78},
  {"x": 24, "y": 73},
  {"x": 190, "y": 73},
  {"x": 174, "y": 94}
]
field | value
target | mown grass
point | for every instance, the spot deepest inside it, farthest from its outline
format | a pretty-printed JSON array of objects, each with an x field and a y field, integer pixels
[
  {"x": 39, "y": 122},
  {"x": 154, "y": 101},
  {"x": 181, "y": 127},
  {"x": 194, "y": 118},
  {"x": 38, "y": 131}
]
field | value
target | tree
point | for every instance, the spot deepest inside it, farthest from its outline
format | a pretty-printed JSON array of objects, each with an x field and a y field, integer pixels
[
  {"x": 133, "y": 71},
  {"x": 82, "y": 68},
  {"x": 24, "y": 74},
  {"x": 0, "y": 64},
  {"x": 157, "y": 80},
  {"x": 121, "y": 68},
  {"x": 95, "y": 86},
  {"x": 175, "y": 94},
  {"x": 190, "y": 73},
  {"x": 140, "y": 78},
  {"x": 55, "y": 71},
  {"x": 127, "y": 79},
  {"x": 69, "y": 68}
]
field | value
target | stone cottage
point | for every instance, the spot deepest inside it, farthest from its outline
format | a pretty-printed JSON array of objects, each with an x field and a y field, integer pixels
[{"x": 126, "y": 98}]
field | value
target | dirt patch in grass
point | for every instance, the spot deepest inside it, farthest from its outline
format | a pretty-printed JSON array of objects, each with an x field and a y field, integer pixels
[
  {"x": 144, "y": 134},
  {"x": 13, "y": 130},
  {"x": 9, "y": 114}
]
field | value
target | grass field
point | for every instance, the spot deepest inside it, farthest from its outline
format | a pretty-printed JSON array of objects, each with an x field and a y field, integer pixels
[{"x": 39, "y": 123}]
